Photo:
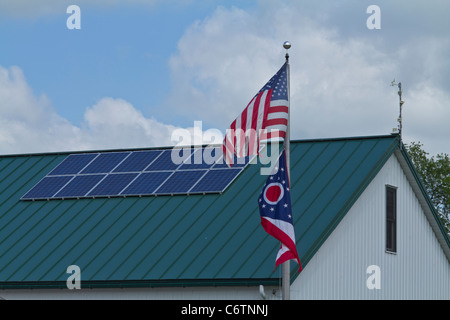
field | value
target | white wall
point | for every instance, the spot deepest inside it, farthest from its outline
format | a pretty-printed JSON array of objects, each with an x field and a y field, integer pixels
[
  {"x": 419, "y": 269},
  {"x": 192, "y": 293}
]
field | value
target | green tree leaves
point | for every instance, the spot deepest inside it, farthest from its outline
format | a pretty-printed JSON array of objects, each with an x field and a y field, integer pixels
[{"x": 435, "y": 175}]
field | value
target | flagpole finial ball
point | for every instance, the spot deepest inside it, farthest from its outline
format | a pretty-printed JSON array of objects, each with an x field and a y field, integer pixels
[{"x": 286, "y": 45}]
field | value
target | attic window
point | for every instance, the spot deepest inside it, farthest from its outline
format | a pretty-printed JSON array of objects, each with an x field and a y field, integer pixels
[{"x": 391, "y": 219}]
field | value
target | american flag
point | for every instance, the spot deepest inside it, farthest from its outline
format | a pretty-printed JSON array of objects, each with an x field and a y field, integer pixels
[
  {"x": 276, "y": 212},
  {"x": 265, "y": 117}
]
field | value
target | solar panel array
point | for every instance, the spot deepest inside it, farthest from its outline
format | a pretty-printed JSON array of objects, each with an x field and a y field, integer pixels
[{"x": 137, "y": 173}]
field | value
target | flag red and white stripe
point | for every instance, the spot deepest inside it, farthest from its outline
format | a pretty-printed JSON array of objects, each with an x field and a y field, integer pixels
[{"x": 264, "y": 118}]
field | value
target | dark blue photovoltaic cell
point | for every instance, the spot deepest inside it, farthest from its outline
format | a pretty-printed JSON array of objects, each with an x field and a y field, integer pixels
[
  {"x": 105, "y": 162},
  {"x": 137, "y": 161},
  {"x": 181, "y": 181},
  {"x": 145, "y": 172},
  {"x": 113, "y": 184},
  {"x": 73, "y": 164},
  {"x": 216, "y": 180},
  {"x": 80, "y": 186},
  {"x": 47, "y": 187},
  {"x": 169, "y": 160},
  {"x": 146, "y": 183},
  {"x": 202, "y": 159},
  {"x": 238, "y": 163}
]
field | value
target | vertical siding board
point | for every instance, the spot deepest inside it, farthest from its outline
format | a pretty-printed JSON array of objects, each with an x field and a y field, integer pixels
[{"x": 419, "y": 269}]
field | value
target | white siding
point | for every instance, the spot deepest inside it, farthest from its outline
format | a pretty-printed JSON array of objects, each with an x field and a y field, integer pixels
[
  {"x": 200, "y": 293},
  {"x": 419, "y": 269}
]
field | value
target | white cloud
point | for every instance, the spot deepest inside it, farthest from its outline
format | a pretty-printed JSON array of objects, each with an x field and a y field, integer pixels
[
  {"x": 216, "y": 72},
  {"x": 426, "y": 117},
  {"x": 29, "y": 124},
  {"x": 340, "y": 85},
  {"x": 340, "y": 80},
  {"x": 27, "y": 121},
  {"x": 113, "y": 123}
]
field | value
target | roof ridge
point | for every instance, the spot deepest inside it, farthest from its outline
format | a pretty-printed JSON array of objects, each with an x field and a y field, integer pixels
[{"x": 67, "y": 152}]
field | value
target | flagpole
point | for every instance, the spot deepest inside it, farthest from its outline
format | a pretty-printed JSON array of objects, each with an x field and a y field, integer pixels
[{"x": 286, "y": 269}]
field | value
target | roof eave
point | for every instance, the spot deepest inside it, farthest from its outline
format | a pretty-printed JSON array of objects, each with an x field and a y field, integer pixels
[{"x": 90, "y": 284}]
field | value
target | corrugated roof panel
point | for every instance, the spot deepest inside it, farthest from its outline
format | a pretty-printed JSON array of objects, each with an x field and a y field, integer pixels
[
  {"x": 100, "y": 229},
  {"x": 44, "y": 237},
  {"x": 21, "y": 242},
  {"x": 155, "y": 262},
  {"x": 159, "y": 223},
  {"x": 230, "y": 227},
  {"x": 126, "y": 256},
  {"x": 53, "y": 258},
  {"x": 177, "y": 238}
]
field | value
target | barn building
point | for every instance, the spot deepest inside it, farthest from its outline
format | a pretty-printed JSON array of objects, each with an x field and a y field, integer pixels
[{"x": 130, "y": 224}]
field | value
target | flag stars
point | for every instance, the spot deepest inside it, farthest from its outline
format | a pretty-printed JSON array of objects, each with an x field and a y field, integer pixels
[{"x": 279, "y": 85}]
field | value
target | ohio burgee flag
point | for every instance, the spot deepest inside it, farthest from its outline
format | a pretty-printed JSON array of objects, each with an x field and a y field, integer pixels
[{"x": 276, "y": 212}]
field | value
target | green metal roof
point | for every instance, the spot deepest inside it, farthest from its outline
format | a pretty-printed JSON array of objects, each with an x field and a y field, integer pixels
[{"x": 182, "y": 240}]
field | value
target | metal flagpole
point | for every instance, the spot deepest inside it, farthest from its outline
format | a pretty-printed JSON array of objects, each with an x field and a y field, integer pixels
[{"x": 286, "y": 269}]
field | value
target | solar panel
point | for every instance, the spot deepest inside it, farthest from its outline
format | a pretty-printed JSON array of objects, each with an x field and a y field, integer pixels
[
  {"x": 146, "y": 183},
  {"x": 138, "y": 161},
  {"x": 80, "y": 185},
  {"x": 113, "y": 184},
  {"x": 137, "y": 173},
  {"x": 73, "y": 164},
  {"x": 202, "y": 159},
  {"x": 216, "y": 180},
  {"x": 164, "y": 161},
  {"x": 47, "y": 187},
  {"x": 105, "y": 162},
  {"x": 238, "y": 163},
  {"x": 181, "y": 181}
]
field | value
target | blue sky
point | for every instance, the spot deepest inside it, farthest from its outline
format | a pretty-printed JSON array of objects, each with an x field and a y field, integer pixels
[
  {"x": 138, "y": 70},
  {"x": 121, "y": 50}
]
